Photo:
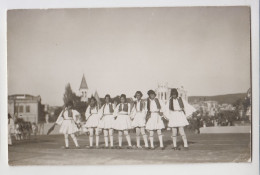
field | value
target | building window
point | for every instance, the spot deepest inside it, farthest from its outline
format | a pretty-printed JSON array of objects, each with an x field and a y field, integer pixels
[
  {"x": 16, "y": 109},
  {"x": 21, "y": 109},
  {"x": 28, "y": 108}
]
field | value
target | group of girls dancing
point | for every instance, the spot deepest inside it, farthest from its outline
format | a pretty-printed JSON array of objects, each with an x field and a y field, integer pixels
[{"x": 142, "y": 115}]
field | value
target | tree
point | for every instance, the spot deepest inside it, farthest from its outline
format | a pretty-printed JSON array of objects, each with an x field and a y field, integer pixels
[{"x": 69, "y": 95}]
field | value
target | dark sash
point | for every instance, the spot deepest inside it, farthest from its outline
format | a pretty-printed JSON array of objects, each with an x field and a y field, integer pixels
[{"x": 70, "y": 114}]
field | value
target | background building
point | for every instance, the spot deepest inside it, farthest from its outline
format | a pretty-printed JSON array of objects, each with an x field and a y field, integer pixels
[
  {"x": 163, "y": 92},
  {"x": 27, "y": 107},
  {"x": 83, "y": 90}
]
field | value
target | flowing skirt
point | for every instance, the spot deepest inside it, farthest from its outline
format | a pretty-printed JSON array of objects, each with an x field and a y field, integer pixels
[
  {"x": 155, "y": 122},
  {"x": 122, "y": 122},
  {"x": 139, "y": 120},
  {"x": 177, "y": 119},
  {"x": 68, "y": 127},
  {"x": 92, "y": 121},
  {"x": 107, "y": 122}
]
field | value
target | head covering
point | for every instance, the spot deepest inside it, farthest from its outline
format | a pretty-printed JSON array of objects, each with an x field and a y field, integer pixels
[
  {"x": 138, "y": 92},
  {"x": 174, "y": 92},
  {"x": 93, "y": 98},
  {"x": 151, "y": 92}
]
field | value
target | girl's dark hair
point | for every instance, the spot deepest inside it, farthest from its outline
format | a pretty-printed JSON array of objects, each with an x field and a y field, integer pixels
[
  {"x": 108, "y": 96},
  {"x": 93, "y": 98},
  {"x": 138, "y": 92},
  {"x": 123, "y": 96},
  {"x": 174, "y": 92}
]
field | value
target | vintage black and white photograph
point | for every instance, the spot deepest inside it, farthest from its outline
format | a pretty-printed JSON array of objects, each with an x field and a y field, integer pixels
[{"x": 129, "y": 86}]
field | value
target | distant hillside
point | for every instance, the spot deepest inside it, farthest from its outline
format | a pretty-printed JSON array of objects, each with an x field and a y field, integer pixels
[{"x": 228, "y": 98}]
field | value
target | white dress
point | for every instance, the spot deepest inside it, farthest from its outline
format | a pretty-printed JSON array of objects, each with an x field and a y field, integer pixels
[
  {"x": 155, "y": 122},
  {"x": 123, "y": 121},
  {"x": 68, "y": 124},
  {"x": 138, "y": 115},
  {"x": 178, "y": 118},
  {"x": 92, "y": 117},
  {"x": 107, "y": 117}
]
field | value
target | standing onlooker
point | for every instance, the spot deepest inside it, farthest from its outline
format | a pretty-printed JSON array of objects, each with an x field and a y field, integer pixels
[{"x": 10, "y": 129}]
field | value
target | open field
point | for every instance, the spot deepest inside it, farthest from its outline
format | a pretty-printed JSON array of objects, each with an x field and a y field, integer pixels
[{"x": 47, "y": 150}]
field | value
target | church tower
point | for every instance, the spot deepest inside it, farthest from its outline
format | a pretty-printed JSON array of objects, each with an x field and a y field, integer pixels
[{"x": 83, "y": 90}]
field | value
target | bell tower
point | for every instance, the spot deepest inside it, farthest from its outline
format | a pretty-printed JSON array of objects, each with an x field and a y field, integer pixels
[{"x": 83, "y": 90}]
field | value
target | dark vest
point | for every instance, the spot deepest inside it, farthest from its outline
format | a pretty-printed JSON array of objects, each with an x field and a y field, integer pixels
[
  {"x": 70, "y": 114},
  {"x": 110, "y": 108},
  {"x": 123, "y": 108},
  {"x": 156, "y": 101},
  {"x": 141, "y": 105},
  {"x": 171, "y": 107}
]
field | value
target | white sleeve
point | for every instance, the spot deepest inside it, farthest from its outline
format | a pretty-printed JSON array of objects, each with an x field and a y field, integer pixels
[
  {"x": 129, "y": 109},
  {"x": 76, "y": 116},
  {"x": 87, "y": 113},
  {"x": 189, "y": 109},
  {"x": 59, "y": 119},
  {"x": 116, "y": 110}
]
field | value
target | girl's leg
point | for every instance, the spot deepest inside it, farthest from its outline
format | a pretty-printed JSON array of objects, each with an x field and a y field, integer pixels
[
  {"x": 151, "y": 139},
  {"x": 97, "y": 136},
  {"x": 127, "y": 137},
  {"x": 74, "y": 140},
  {"x": 174, "y": 137},
  {"x": 111, "y": 137},
  {"x": 106, "y": 137},
  {"x": 144, "y": 136},
  {"x": 91, "y": 134},
  {"x": 138, "y": 131},
  {"x": 183, "y": 135},
  {"x": 159, "y": 133},
  {"x": 120, "y": 139},
  {"x": 66, "y": 138}
]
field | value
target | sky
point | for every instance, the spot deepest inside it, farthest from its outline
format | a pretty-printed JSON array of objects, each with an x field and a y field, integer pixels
[{"x": 121, "y": 50}]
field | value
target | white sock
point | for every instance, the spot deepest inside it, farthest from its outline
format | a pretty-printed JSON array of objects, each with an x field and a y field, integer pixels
[
  {"x": 90, "y": 140},
  {"x": 128, "y": 140},
  {"x": 66, "y": 142},
  {"x": 138, "y": 141},
  {"x": 111, "y": 141},
  {"x": 106, "y": 141},
  {"x": 145, "y": 140},
  {"x": 97, "y": 140},
  {"x": 161, "y": 140},
  {"x": 151, "y": 141},
  {"x": 174, "y": 140},
  {"x": 185, "y": 142},
  {"x": 120, "y": 139}
]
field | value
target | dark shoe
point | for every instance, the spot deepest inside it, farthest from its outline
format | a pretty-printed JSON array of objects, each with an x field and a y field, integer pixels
[
  {"x": 89, "y": 147},
  {"x": 146, "y": 148},
  {"x": 185, "y": 149},
  {"x": 112, "y": 147},
  {"x": 139, "y": 147},
  {"x": 162, "y": 148},
  {"x": 176, "y": 148},
  {"x": 152, "y": 148},
  {"x": 129, "y": 147},
  {"x": 97, "y": 147}
]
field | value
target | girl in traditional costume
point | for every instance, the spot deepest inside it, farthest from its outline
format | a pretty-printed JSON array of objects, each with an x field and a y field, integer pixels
[
  {"x": 69, "y": 124},
  {"x": 92, "y": 121},
  {"x": 107, "y": 120},
  {"x": 154, "y": 117},
  {"x": 177, "y": 110},
  {"x": 123, "y": 121},
  {"x": 139, "y": 114}
]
